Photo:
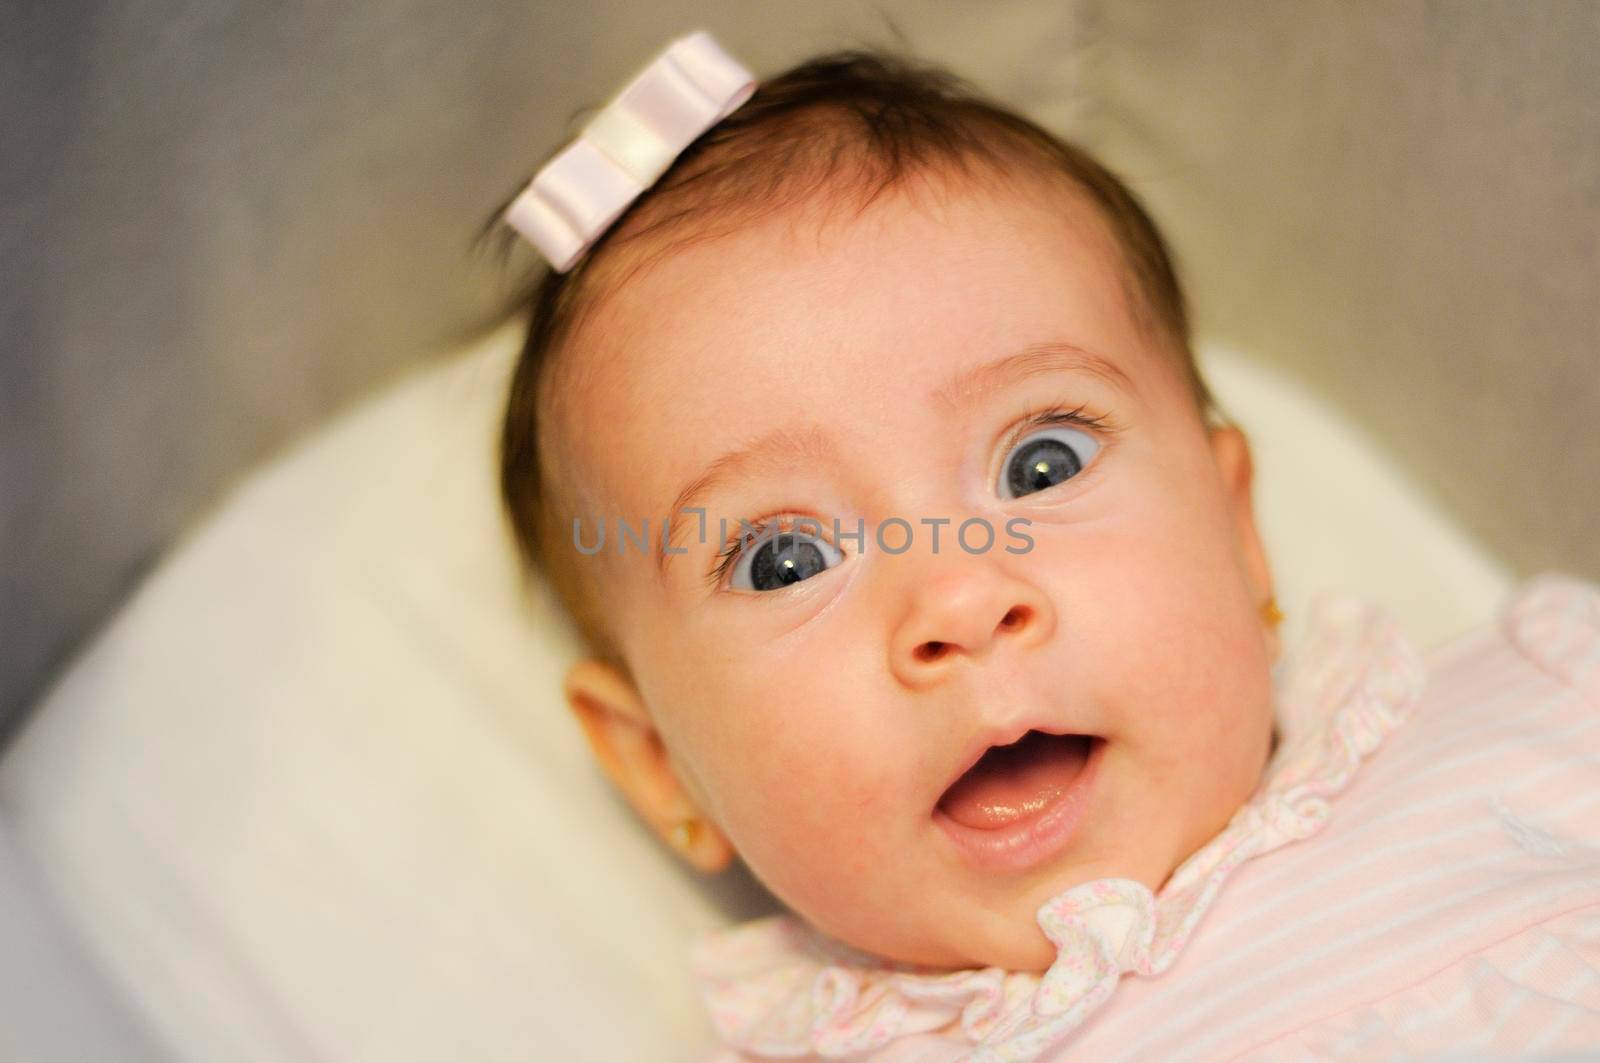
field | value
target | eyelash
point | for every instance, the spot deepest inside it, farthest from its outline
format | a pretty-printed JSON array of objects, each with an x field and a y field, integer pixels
[
  {"x": 1058, "y": 414},
  {"x": 1055, "y": 414},
  {"x": 730, "y": 551}
]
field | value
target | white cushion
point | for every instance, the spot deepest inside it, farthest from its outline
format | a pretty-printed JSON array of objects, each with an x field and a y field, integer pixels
[{"x": 312, "y": 791}]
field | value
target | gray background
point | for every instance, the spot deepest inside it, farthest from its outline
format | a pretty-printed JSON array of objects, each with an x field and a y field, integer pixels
[{"x": 221, "y": 223}]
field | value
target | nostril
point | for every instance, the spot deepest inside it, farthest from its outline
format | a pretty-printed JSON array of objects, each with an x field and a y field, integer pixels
[
  {"x": 1016, "y": 616},
  {"x": 930, "y": 651}
]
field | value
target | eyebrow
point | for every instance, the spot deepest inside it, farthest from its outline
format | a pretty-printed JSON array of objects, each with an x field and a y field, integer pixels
[
  {"x": 791, "y": 444},
  {"x": 1048, "y": 357},
  {"x": 784, "y": 445}
]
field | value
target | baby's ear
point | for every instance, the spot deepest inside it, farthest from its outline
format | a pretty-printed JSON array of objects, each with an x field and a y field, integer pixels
[
  {"x": 1231, "y": 451},
  {"x": 630, "y": 751}
]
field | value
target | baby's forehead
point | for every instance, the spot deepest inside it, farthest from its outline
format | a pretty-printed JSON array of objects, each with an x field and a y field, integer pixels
[{"x": 828, "y": 274}]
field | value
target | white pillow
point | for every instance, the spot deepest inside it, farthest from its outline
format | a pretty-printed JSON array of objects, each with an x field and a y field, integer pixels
[{"x": 313, "y": 793}]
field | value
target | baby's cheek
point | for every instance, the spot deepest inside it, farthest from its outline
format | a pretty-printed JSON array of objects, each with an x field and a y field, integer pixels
[
  {"x": 1177, "y": 641},
  {"x": 807, "y": 801}
]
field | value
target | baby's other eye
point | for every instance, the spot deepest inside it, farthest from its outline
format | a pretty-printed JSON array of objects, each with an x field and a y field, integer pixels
[
  {"x": 1044, "y": 459},
  {"x": 775, "y": 561}
]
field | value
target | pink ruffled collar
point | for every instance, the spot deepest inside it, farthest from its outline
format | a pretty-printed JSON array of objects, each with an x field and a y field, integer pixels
[{"x": 777, "y": 987}]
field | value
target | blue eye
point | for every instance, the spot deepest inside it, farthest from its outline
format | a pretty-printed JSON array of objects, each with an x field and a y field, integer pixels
[
  {"x": 1044, "y": 459},
  {"x": 772, "y": 562}
]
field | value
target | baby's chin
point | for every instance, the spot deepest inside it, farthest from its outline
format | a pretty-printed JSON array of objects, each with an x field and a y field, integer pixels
[
  {"x": 1012, "y": 942},
  {"x": 1006, "y": 933},
  {"x": 1015, "y": 947}
]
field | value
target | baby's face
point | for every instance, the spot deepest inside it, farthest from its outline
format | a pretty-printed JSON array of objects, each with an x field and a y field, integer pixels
[{"x": 817, "y": 703}]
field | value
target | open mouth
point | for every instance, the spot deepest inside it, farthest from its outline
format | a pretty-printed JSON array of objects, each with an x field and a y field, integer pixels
[
  {"x": 1019, "y": 805},
  {"x": 1016, "y": 783}
]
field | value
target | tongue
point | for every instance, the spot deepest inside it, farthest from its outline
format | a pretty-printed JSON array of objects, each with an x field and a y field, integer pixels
[{"x": 1016, "y": 782}]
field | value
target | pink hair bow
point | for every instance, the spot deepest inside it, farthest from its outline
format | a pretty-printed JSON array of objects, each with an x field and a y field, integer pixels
[{"x": 684, "y": 91}]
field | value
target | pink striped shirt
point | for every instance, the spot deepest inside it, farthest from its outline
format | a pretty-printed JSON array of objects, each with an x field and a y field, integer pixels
[{"x": 1450, "y": 901}]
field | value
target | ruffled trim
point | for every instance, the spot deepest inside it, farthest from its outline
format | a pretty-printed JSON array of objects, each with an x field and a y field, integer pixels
[
  {"x": 1554, "y": 620},
  {"x": 778, "y": 987}
]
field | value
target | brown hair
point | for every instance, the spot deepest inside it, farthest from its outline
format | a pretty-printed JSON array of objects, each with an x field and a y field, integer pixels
[{"x": 884, "y": 114}]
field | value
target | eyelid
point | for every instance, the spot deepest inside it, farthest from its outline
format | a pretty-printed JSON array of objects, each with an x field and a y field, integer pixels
[
  {"x": 763, "y": 528},
  {"x": 1058, "y": 414}
]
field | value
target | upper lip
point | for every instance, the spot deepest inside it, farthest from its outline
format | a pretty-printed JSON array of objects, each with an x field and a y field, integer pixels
[{"x": 1002, "y": 735}]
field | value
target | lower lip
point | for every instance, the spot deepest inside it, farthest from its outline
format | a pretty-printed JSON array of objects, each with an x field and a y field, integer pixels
[{"x": 1019, "y": 846}]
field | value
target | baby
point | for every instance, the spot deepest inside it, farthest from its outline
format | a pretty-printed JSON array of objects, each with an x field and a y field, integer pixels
[
  {"x": 917, "y": 566},
  {"x": 867, "y": 294}
]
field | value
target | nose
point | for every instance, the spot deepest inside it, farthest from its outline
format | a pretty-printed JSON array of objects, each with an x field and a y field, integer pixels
[{"x": 963, "y": 613}]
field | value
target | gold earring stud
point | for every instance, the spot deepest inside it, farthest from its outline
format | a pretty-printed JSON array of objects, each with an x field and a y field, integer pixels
[
  {"x": 684, "y": 833},
  {"x": 1270, "y": 613}
]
